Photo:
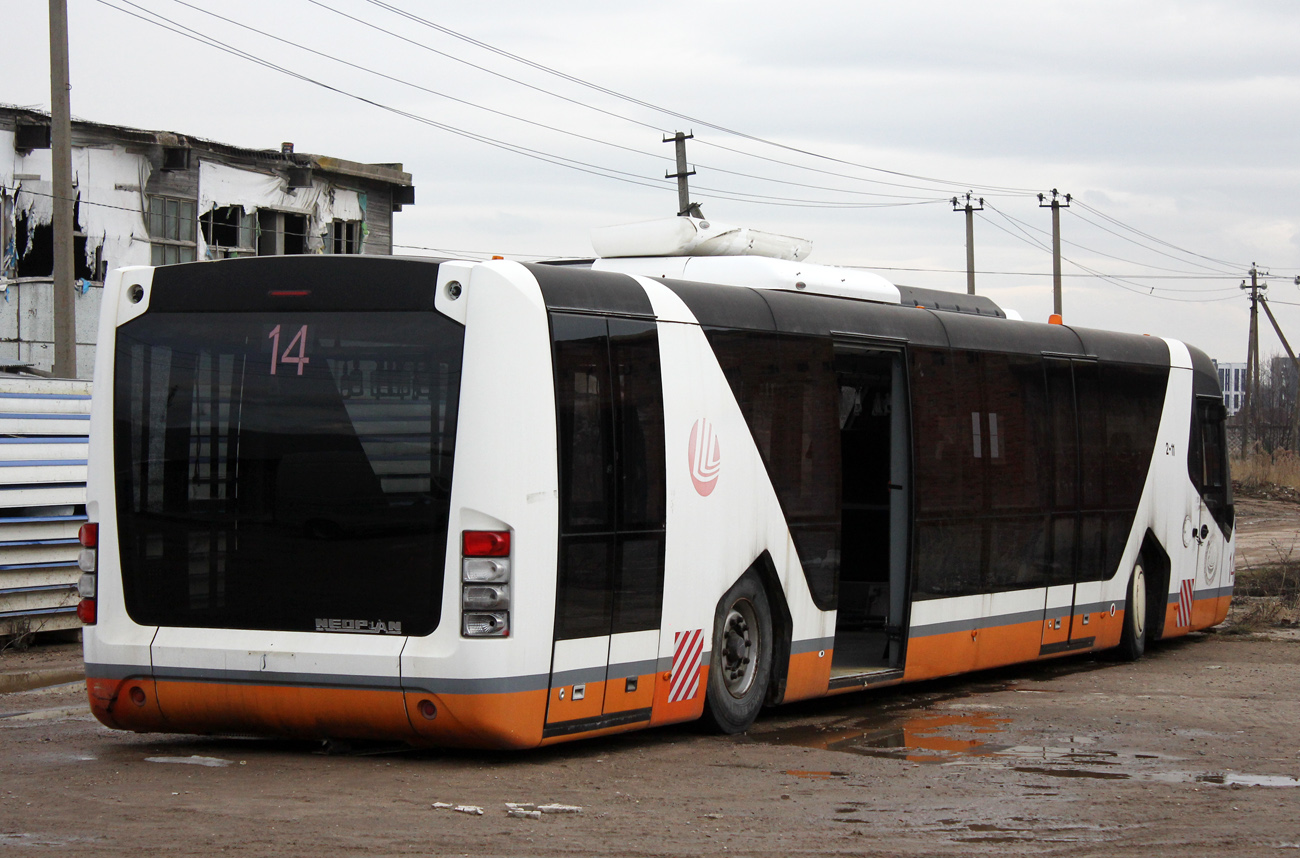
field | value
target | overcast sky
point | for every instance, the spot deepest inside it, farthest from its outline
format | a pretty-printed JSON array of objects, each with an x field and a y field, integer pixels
[{"x": 1173, "y": 124}]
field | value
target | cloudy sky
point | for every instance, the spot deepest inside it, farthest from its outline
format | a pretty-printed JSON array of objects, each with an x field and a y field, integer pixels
[{"x": 1174, "y": 125}]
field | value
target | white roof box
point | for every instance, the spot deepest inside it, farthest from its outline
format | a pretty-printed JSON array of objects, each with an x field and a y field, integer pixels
[
  {"x": 692, "y": 236},
  {"x": 760, "y": 273}
]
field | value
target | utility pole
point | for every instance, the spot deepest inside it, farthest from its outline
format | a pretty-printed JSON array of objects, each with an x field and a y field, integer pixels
[
  {"x": 1293, "y": 438},
  {"x": 1252, "y": 361},
  {"x": 970, "y": 237},
  {"x": 1056, "y": 207},
  {"x": 65, "y": 325},
  {"x": 685, "y": 208}
]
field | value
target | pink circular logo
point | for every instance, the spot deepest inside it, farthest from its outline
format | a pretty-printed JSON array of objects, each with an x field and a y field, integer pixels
[{"x": 705, "y": 458}]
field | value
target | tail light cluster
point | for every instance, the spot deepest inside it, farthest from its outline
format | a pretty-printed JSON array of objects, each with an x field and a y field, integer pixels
[
  {"x": 88, "y": 562},
  {"x": 485, "y": 583}
]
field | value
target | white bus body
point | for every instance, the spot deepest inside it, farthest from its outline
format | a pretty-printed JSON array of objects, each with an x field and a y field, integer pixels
[{"x": 280, "y": 552}]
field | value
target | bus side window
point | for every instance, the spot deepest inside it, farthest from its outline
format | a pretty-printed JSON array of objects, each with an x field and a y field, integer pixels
[
  {"x": 948, "y": 475},
  {"x": 609, "y": 398},
  {"x": 1207, "y": 459},
  {"x": 786, "y": 389}
]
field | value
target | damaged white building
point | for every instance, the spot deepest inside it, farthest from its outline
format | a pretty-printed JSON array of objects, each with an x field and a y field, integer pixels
[{"x": 157, "y": 198}]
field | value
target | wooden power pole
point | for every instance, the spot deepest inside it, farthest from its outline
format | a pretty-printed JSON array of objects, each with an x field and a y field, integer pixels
[{"x": 65, "y": 325}]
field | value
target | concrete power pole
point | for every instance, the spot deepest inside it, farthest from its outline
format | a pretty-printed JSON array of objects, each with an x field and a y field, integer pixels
[
  {"x": 1293, "y": 435},
  {"x": 970, "y": 237},
  {"x": 684, "y": 205},
  {"x": 65, "y": 325},
  {"x": 1252, "y": 362},
  {"x": 1056, "y": 207}
]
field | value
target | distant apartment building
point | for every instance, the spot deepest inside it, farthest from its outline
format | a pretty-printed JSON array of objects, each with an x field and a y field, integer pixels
[
  {"x": 156, "y": 198},
  {"x": 1232, "y": 379}
]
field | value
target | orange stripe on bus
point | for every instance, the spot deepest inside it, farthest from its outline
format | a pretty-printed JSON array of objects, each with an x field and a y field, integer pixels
[
  {"x": 957, "y": 652},
  {"x": 511, "y": 720},
  {"x": 809, "y": 676}
]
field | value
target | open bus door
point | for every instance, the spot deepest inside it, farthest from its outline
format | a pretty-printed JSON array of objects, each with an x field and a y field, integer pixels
[{"x": 870, "y": 625}]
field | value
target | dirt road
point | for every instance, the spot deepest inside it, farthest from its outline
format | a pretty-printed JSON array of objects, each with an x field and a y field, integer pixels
[{"x": 1194, "y": 750}]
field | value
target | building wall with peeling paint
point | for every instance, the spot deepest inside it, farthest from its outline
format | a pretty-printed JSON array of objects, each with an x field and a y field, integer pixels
[{"x": 156, "y": 197}]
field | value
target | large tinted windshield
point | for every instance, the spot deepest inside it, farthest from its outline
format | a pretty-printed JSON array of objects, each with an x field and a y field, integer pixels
[{"x": 281, "y": 470}]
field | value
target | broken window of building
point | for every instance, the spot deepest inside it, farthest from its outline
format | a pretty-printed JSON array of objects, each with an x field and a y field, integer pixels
[
  {"x": 171, "y": 230},
  {"x": 344, "y": 237},
  {"x": 229, "y": 232},
  {"x": 29, "y": 248},
  {"x": 280, "y": 233}
]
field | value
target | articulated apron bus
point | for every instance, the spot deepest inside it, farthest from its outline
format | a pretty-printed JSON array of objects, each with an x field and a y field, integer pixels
[{"x": 504, "y": 505}]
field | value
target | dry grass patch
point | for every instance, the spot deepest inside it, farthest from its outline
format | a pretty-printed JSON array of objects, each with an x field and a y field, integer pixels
[{"x": 1259, "y": 469}]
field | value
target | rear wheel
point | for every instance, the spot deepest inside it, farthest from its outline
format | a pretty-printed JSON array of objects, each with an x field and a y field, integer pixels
[
  {"x": 1133, "y": 640},
  {"x": 740, "y": 665}
]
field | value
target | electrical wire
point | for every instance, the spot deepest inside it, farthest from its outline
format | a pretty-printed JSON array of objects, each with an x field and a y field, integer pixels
[
  {"x": 558, "y": 160},
  {"x": 1102, "y": 252},
  {"x": 1160, "y": 241},
  {"x": 1138, "y": 289},
  {"x": 667, "y": 111},
  {"x": 1096, "y": 225},
  {"x": 624, "y": 117}
]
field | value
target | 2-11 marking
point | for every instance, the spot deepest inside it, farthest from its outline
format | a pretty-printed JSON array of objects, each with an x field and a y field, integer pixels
[{"x": 299, "y": 340}]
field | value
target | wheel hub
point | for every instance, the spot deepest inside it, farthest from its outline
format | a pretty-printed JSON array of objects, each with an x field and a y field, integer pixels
[{"x": 739, "y": 648}]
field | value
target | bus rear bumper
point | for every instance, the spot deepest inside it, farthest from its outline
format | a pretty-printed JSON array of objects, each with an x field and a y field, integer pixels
[{"x": 508, "y": 720}]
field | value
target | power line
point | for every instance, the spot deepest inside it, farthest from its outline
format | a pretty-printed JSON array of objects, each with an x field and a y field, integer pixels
[
  {"x": 558, "y": 160},
  {"x": 1146, "y": 291},
  {"x": 624, "y": 117},
  {"x": 667, "y": 111},
  {"x": 1046, "y": 273},
  {"x": 1149, "y": 237},
  {"x": 1102, "y": 252},
  {"x": 534, "y": 123},
  {"x": 1022, "y": 226}
]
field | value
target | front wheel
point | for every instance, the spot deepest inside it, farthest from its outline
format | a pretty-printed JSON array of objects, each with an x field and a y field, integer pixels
[
  {"x": 1133, "y": 640},
  {"x": 740, "y": 665}
]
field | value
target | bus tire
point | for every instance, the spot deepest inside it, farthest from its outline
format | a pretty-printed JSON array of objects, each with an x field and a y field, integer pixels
[
  {"x": 1133, "y": 640},
  {"x": 740, "y": 665}
]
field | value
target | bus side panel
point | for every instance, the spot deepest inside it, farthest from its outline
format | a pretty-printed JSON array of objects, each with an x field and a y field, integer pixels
[
  {"x": 505, "y": 478},
  {"x": 718, "y": 523},
  {"x": 116, "y": 648},
  {"x": 965, "y": 633},
  {"x": 1174, "y": 503}
]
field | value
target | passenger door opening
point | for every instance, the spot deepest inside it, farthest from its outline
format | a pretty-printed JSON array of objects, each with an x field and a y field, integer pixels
[{"x": 870, "y": 622}]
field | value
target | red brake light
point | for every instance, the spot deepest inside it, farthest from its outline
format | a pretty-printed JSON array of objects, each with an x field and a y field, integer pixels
[
  {"x": 86, "y": 611},
  {"x": 486, "y": 543},
  {"x": 88, "y": 535}
]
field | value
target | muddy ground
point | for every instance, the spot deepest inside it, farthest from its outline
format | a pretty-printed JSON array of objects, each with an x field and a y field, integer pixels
[{"x": 1193, "y": 751}]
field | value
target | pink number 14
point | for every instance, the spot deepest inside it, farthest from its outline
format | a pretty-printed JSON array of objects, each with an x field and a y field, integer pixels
[{"x": 299, "y": 340}]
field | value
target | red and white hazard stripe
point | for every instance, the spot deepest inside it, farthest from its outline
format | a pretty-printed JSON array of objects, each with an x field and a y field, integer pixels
[
  {"x": 687, "y": 649},
  {"x": 1185, "y": 602}
]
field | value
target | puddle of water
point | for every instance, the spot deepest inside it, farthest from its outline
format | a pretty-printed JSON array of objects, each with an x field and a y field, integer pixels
[
  {"x": 1073, "y": 773},
  {"x": 27, "y": 680},
  {"x": 1238, "y": 779},
  {"x": 817, "y": 776},
  {"x": 195, "y": 760},
  {"x": 926, "y": 738},
  {"x": 49, "y": 714}
]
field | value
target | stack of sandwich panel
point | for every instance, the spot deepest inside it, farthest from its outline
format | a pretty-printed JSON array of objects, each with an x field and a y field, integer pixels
[{"x": 43, "y": 427}]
